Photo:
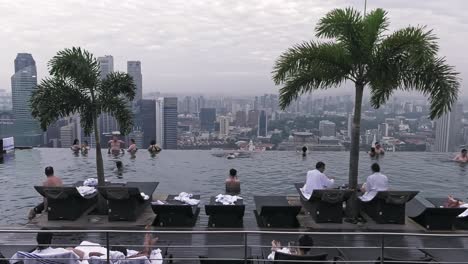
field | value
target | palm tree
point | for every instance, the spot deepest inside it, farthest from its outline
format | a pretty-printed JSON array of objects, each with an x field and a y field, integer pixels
[
  {"x": 361, "y": 51},
  {"x": 76, "y": 88}
]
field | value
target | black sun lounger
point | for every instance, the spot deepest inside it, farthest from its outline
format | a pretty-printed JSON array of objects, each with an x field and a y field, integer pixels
[
  {"x": 226, "y": 255},
  {"x": 225, "y": 215},
  {"x": 388, "y": 207},
  {"x": 175, "y": 213},
  {"x": 325, "y": 206},
  {"x": 431, "y": 214},
  {"x": 125, "y": 201},
  {"x": 66, "y": 203},
  {"x": 275, "y": 211},
  {"x": 290, "y": 259}
]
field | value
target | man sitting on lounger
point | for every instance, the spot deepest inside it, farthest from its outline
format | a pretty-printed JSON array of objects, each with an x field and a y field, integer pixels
[
  {"x": 316, "y": 180},
  {"x": 232, "y": 182},
  {"x": 377, "y": 182},
  {"x": 51, "y": 181}
]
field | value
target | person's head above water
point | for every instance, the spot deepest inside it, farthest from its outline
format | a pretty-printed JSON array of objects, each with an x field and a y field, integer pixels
[
  {"x": 153, "y": 142},
  {"x": 119, "y": 164},
  {"x": 305, "y": 243},
  {"x": 132, "y": 140},
  {"x": 44, "y": 239},
  {"x": 49, "y": 171},
  {"x": 115, "y": 138},
  {"x": 375, "y": 167},
  {"x": 320, "y": 166},
  {"x": 76, "y": 141},
  {"x": 464, "y": 152},
  {"x": 233, "y": 173}
]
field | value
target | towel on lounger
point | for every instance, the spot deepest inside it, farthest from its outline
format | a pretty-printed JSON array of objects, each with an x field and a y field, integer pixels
[
  {"x": 227, "y": 199},
  {"x": 86, "y": 190},
  {"x": 187, "y": 198}
]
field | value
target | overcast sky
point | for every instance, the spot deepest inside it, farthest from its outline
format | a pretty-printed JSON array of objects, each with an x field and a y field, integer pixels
[{"x": 207, "y": 46}]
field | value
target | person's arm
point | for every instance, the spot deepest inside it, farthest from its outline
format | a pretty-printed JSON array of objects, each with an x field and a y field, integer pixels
[
  {"x": 308, "y": 185},
  {"x": 327, "y": 182}
]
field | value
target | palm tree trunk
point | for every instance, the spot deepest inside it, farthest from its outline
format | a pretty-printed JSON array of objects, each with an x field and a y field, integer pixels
[
  {"x": 99, "y": 162},
  {"x": 352, "y": 204}
]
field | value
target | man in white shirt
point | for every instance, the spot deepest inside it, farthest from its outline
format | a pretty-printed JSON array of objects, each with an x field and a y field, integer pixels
[
  {"x": 375, "y": 183},
  {"x": 316, "y": 180}
]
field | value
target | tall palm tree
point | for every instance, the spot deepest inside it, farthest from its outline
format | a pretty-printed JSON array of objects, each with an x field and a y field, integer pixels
[
  {"x": 360, "y": 50},
  {"x": 76, "y": 88}
]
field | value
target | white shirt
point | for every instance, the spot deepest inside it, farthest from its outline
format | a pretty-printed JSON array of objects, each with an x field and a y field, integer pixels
[
  {"x": 376, "y": 182},
  {"x": 49, "y": 250},
  {"x": 315, "y": 181}
]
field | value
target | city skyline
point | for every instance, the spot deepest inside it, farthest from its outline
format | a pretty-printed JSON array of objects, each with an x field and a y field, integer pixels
[{"x": 208, "y": 46}]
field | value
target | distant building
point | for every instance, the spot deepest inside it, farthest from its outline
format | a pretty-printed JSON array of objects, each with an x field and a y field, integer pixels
[
  {"x": 170, "y": 122},
  {"x": 207, "y": 119},
  {"x": 148, "y": 120},
  {"x": 159, "y": 117},
  {"x": 67, "y": 135},
  {"x": 134, "y": 70},
  {"x": 223, "y": 126},
  {"x": 5, "y": 101},
  {"x": 241, "y": 118},
  {"x": 262, "y": 124},
  {"x": 106, "y": 65},
  {"x": 327, "y": 128},
  {"x": 27, "y": 131},
  {"x": 448, "y": 130},
  {"x": 252, "y": 119}
]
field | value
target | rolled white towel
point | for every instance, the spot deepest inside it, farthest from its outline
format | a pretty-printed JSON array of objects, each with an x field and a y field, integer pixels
[
  {"x": 92, "y": 182},
  {"x": 145, "y": 197}
]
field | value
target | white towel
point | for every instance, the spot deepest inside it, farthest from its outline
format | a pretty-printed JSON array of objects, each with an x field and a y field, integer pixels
[
  {"x": 158, "y": 202},
  {"x": 465, "y": 213},
  {"x": 144, "y": 196},
  {"x": 86, "y": 190},
  {"x": 67, "y": 257},
  {"x": 282, "y": 250},
  {"x": 187, "y": 198},
  {"x": 227, "y": 199},
  {"x": 92, "y": 182}
]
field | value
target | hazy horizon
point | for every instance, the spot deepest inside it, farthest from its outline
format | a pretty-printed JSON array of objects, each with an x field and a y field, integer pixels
[{"x": 209, "y": 46}]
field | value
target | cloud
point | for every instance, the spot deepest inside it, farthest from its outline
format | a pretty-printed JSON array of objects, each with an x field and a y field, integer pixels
[{"x": 203, "y": 45}]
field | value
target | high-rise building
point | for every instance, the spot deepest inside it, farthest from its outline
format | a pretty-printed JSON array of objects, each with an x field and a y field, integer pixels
[
  {"x": 223, "y": 126},
  {"x": 170, "y": 122},
  {"x": 241, "y": 118},
  {"x": 327, "y": 128},
  {"x": 5, "y": 101},
  {"x": 159, "y": 117},
  {"x": 27, "y": 131},
  {"x": 106, "y": 65},
  {"x": 207, "y": 119},
  {"x": 262, "y": 124},
  {"x": 448, "y": 130},
  {"x": 148, "y": 118},
  {"x": 67, "y": 135},
  {"x": 252, "y": 119},
  {"x": 134, "y": 70}
]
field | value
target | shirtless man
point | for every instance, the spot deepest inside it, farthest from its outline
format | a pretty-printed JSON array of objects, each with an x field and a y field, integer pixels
[
  {"x": 378, "y": 149},
  {"x": 51, "y": 181},
  {"x": 462, "y": 157},
  {"x": 115, "y": 146}
]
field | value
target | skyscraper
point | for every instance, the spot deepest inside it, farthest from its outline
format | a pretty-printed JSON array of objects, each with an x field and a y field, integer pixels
[
  {"x": 252, "y": 119},
  {"x": 327, "y": 128},
  {"x": 223, "y": 126},
  {"x": 106, "y": 65},
  {"x": 26, "y": 129},
  {"x": 134, "y": 70},
  {"x": 207, "y": 119},
  {"x": 170, "y": 122},
  {"x": 241, "y": 118},
  {"x": 159, "y": 117},
  {"x": 148, "y": 120},
  {"x": 262, "y": 124},
  {"x": 448, "y": 130}
]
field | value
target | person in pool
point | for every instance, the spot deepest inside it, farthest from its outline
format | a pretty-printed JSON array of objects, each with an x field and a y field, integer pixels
[
  {"x": 84, "y": 148},
  {"x": 372, "y": 153},
  {"x": 132, "y": 149},
  {"x": 378, "y": 149},
  {"x": 76, "y": 146},
  {"x": 115, "y": 146},
  {"x": 154, "y": 148},
  {"x": 304, "y": 151},
  {"x": 462, "y": 157},
  {"x": 232, "y": 182}
]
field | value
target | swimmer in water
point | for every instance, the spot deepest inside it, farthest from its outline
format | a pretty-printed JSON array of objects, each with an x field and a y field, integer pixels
[
  {"x": 132, "y": 149},
  {"x": 76, "y": 146},
  {"x": 462, "y": 157},
  {"x": 304, "y": 151},
  {"x": 84, "y": 148},
  {"x": 115, "y": 146},
  {"x": 153, "y": 148},
  {"x": 372, "y": 153},
  {"x": 118, "y": 167},
  {"x": 378, "y": 149}
]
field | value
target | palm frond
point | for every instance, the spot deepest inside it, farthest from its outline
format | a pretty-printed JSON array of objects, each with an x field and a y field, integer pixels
[
  {"x": 118, "y": 84},
  {"x": 78, "y": 65},
  {"x": 329, "y": 56},
  {"x": 55, "y": 98},
  {"x": 375, "y": 24},
  {"x": 117, "y": 107}
]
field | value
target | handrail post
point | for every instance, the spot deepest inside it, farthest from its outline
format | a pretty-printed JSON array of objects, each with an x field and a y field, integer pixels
[
  {"x": 382, "y": 253},
  {"x": 245, "y": 248},
  {"x": 107, "y": 246}
]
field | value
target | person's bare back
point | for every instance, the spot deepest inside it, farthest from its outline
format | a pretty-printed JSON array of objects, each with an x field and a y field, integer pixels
[{"x": 53, "y": 181}]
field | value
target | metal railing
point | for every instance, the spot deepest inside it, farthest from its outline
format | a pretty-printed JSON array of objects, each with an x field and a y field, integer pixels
[{"x": 251, "y": 246}]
